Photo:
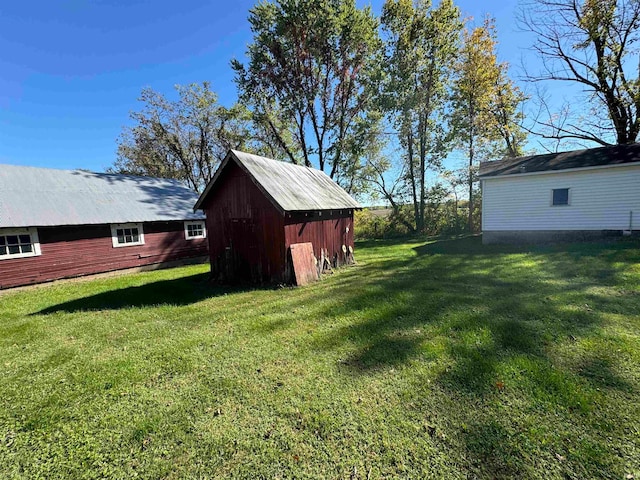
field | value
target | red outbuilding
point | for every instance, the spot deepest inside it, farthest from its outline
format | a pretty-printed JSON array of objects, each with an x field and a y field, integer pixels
[
  {"x": 259, "y": 207},
  {"x": 66, "y": 223}
]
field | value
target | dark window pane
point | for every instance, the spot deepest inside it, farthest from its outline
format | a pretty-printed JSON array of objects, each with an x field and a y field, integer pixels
[
  {"x": 3, "y": 241},
  {"x": 25, "y": 239},
  {"x": 12, "y": 240},
  {"x": 128, "y": 235},
  {"x": 3, "y": 250},
  {"x": 194, "y": 230},
  {"x": 26, "y": 248},
  {"x": 14, "y": 249},
  {"x": 561, "y": 196}
]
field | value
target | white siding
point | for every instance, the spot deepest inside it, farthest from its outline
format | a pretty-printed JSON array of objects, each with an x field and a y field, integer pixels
[{"x": 600, "y": 199}]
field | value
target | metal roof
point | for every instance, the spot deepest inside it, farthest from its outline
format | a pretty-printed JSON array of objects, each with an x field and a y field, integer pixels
[
  {"x": 38, "y": 197},
  {"x": 591, "y": 157},
  {"x": 289, "y": 187}
]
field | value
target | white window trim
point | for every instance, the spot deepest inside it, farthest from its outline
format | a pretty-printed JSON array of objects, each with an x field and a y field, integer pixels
[
  {"x": 195, "y": 222},
  {"x": 114, "y": 234},
  {"x": 568, "y": 204},
  {"x": 35, "y": 242}
]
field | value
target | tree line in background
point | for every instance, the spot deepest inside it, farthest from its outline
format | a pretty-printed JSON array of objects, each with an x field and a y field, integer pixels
[{"x": 379, "y": 103}]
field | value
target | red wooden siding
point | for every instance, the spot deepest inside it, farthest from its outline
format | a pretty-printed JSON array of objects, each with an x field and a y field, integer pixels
[
  {"x": 248, "y": 243},
  {"x": 327, "y": 231},
  {"x": 83, "y": 250},
  {"x": 252, "y": 237}
]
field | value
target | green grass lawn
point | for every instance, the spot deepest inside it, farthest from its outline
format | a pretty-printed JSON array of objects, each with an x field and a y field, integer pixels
[{"x": 442, "y": 359}]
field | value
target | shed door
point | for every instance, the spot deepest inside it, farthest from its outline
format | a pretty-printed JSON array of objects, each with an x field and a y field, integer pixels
[{"x": 246, "y": 251}]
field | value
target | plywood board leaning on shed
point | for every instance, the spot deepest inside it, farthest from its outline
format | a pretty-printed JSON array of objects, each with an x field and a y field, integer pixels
[{"x": 304, "y": 263}]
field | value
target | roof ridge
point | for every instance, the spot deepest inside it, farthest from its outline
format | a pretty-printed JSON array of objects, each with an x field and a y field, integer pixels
[
  {"x": 287, "y": 186},
  {"x": 81, "y": 170},
  {"x": 283, "y": 162}
]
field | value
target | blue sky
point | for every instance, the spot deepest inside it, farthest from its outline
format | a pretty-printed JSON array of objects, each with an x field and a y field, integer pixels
[{"x": 72, "y": 70}]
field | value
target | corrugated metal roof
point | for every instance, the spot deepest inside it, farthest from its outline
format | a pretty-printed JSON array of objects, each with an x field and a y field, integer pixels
[
  {"x": 290, "y": 187},
  {"x": 38, "y": 197},
  {"x": 591, "y": 157}
]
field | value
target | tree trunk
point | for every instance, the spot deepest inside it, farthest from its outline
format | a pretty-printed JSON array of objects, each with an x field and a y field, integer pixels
[
  {"x": 421, "y": 226},
  {"x": 471, "y": 152},
  {"x": 470, "y": 184},
  {"x": 416, "y": 212}
]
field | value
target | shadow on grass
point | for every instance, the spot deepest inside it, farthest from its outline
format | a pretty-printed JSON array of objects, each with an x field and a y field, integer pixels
[
  {"x": 472, "y": 244},
  {"x": 469, "y": 316},
  {"x": 479, "y": 314},
  {"x": 600, "y": 373},
  {"x": 516, "y": 305},
  {"x": 178, "y": 291}
]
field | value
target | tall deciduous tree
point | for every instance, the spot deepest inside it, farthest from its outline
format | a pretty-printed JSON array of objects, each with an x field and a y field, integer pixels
[
  {"x": 184, "y": 139},
  {"x": 506, "y": 108},
  {"x": 307, "y": 79},
  {"x": 477, "y": 75},
  {"x": 420, "y": 46},
  {"x": 592, "y": 44}
]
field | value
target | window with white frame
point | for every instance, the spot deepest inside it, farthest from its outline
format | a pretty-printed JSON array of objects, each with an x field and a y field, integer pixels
[
  {"x": 127, "y": 234},
  {"x": 193, "y": 230},
  {"x": 19, "y": 243}
]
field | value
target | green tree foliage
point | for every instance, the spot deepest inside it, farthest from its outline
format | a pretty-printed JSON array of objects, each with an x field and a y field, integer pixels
[
  {"x": 307, "y": 80},
  {"x": 477, "y": 75},
  {"x": 421, "y": 43},
  {"x": 184, "y": 139},
  {"x": 592, "y": 44},
  {"x": 506, "y": 108}
]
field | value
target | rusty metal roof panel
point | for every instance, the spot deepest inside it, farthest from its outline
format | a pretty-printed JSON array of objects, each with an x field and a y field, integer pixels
[
  {"x": 290, "y": 187},
  {"x": 34, "y": 197}
]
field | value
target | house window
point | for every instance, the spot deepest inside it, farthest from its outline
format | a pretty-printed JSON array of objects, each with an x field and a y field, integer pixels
[
  {"x": 560, "y": 196},
  {"x": 127, "y": 234},
  {"x": 193, "y": 230},
  {"x": 19, "y": 243}
]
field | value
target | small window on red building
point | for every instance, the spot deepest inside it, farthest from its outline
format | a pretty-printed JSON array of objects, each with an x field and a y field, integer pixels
[
  {"x": 193, "y": 230},
  {"x": 127, "y": 234},
  {"x": 19, "y": 243}
]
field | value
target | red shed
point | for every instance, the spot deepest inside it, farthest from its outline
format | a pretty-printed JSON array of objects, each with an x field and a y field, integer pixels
[{"x": 256, "y": 208}]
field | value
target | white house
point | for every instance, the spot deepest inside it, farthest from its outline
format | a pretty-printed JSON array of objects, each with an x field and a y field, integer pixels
[{"x": 562, "y": 196}]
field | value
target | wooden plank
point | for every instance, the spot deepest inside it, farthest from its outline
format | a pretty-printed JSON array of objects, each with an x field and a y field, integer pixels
[{"x": 304, "y": 263}]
